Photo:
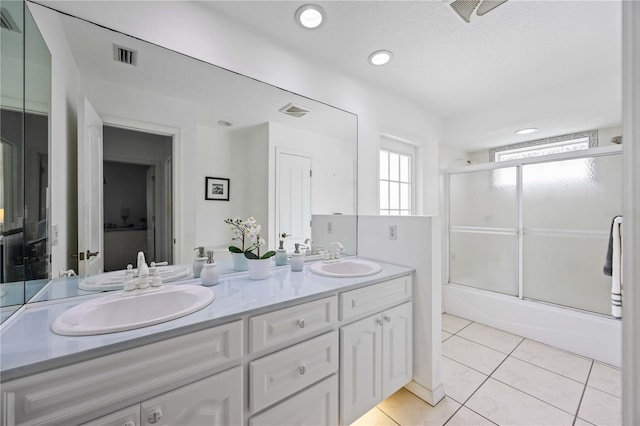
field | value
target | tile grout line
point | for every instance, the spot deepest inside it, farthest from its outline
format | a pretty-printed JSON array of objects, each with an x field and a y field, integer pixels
[
  {"x": 550, "y": 371},
  {"x": 464, "y": 404},
  {"x": 584, "y": 390},
  {"x": 488, "y": 347},
  {"x": 385, "y": 414}
]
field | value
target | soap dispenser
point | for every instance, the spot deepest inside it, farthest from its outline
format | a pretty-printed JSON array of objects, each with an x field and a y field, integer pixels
[
  {"x": 198, "y": 262},
  {"x": 281, "y": 255},
  {"x": 210, "y": 274},
  {"x": 297, "y": 259}
]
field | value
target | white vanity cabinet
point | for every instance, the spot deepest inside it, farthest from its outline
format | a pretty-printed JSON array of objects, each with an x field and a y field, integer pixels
[
  {"x": 376, "y": 355},
  {"x": 215, "y": 401},
  {"x": 72, "y": 394}
]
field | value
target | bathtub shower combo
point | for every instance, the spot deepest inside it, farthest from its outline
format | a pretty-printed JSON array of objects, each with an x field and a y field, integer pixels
[{"x": 533, "y": 230}]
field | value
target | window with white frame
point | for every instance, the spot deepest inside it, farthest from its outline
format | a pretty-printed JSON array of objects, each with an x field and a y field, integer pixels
[
  {"x": 568, "y": 170},
  {"x": 548, "y": 146},
  {"x": 395, "y": 183}
]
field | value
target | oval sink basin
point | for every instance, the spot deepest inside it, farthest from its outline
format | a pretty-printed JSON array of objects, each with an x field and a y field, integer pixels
[
  {"x": 347, "y": 268},
  {"x": 131, "y": 310},
  {"x": 115, "y": 280}
]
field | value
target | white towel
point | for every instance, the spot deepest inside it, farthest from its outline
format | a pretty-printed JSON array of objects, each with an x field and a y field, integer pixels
[{"x": 616, "y": 275}]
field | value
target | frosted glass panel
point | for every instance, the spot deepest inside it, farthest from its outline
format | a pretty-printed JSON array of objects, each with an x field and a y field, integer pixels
[
  {"x": 485, "y": 261},
  {"x": 404, "y": 168},
  {"x": 404, "y": 196},
  {"x": 384, "y": 195},
  {"x": 484, "y": 199},
  {"x": 394, "y": 195},
  {"x": 384, "y": 165},
  {"x": 394, "y": 166},
  {"x": 567, "y": 271},
  {"x": 581, "y": 194}
]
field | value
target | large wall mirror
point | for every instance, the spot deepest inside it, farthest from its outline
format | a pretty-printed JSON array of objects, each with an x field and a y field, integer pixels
[
  {"x": 25, "y": 92},
  {"x": 170, "y": 146}
]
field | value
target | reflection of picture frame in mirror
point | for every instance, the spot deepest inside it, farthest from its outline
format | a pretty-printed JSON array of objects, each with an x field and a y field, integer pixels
[{"x": 216, "y": 189}]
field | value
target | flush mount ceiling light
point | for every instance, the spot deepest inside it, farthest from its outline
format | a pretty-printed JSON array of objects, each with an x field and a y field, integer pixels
[
  {"x": 526, "y": 131},
  {"x": 309, "y": 16},
  {"x": 380, "y": 57}
]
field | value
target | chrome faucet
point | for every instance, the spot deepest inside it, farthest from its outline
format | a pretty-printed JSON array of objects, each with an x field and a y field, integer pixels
[
  {"x": 309, "y": 245},
  {"x": 335, "y": 249}
]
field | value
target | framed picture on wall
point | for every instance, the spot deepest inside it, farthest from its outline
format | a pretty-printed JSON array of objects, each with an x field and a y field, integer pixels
[{"x": 216, "y": 189}]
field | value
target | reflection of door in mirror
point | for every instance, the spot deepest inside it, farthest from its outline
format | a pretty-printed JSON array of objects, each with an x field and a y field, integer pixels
[
  {"x": 90, "y": 245},
  {"x": 293, "y": 192},
  {"x": 136, "y": 172}
]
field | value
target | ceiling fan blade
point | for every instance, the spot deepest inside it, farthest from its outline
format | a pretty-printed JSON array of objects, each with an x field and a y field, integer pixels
[
  {"x": 465, "y": 8},
  {"x": 488, "y": 6}
]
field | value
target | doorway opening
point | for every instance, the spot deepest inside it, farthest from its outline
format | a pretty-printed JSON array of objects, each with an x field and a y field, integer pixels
[{"x": 137, "y": 197}]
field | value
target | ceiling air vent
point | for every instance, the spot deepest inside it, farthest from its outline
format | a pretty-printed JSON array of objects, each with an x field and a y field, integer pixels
[
  {"x": 294, "y": 110},
  {"x": 125, "y": 55},
  {"x": 7, "y": 22}
]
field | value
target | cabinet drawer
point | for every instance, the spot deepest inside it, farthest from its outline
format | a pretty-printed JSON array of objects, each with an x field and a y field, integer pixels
[
  {"x": 374, "y": 298},
  {"x": 284, "y": 325},
  {"x": 285, "y": 372},
  {"x": 317, "y": 405},
  {"x": 129, "y": 416},
  {"x": 74, "y": 392}
]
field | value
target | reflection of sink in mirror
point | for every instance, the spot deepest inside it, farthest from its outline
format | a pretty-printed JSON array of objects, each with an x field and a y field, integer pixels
[
  {"x": 130, "y": 310},
  {"x": 115, "y": 280},
  {"x": 347, "y": 268}
]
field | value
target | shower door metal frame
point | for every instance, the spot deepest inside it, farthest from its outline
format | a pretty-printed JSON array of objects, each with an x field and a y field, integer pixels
[{"x": 518, "y": 164}]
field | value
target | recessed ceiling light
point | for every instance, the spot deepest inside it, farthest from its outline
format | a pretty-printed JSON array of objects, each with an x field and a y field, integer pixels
[
  {"x": 309, "y": 16},
  {"x": 526, "y": 131},
  {"x": 380, "y": 57}
]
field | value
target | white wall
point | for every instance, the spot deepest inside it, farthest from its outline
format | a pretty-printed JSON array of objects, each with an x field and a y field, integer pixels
[
  {"x": 220, "y": 40},
  {"x": 417, "y": 246},
  {"x": 62, "y": 153}
]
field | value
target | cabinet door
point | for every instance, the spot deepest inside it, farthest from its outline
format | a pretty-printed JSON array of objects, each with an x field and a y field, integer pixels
[
  {"x": 317, "y": 405},
  {"x": 216, "y": 400},
  {"x": 397, "y": 348},
  {"x": 360, "y": 367},
  {"x": 128, "y": 417}
]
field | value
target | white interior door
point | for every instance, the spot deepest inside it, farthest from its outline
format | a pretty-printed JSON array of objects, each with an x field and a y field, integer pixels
[
  {"x": 90, "y": 189},
  {"x": 293, "y": 190},
  {"x": 151, "y": 215}
]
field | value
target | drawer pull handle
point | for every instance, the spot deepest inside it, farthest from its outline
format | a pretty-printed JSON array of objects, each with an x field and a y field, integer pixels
[
  {"x": 302, "y": 369},
  {"x": 155, "y": 416},
  {"x": 387, "y": 318},
  {"x": 301, "y": 323},
  {"x": 379, "y": 321}
]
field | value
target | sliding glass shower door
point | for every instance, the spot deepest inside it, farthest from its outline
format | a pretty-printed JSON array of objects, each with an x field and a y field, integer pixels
[
  {"x": 483, "y": 242},
  {"x": 536, "y": 229}
]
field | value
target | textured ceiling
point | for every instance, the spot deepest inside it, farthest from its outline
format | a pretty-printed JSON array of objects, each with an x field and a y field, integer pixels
[{"x": 442, "y": 63}]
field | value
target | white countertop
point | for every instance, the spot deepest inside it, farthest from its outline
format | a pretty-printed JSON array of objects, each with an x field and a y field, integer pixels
[{"x": 28, "y": 346}]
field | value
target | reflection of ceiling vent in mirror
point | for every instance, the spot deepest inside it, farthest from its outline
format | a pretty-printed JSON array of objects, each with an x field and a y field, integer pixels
[
  {"x": 125, "y": 55},
  {"x": 7, "y": 22},
  {"x": 465, "y": 8},
  {"x": 294, "y": 110}
]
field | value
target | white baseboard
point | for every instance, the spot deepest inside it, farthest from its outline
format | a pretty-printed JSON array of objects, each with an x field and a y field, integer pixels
[{"x": 430, "y": 397}]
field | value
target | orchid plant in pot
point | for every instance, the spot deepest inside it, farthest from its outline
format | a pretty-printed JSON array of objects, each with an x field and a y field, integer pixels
[
  {"x": 258, "y": 263},
  {"x": 241, "y": 237}
]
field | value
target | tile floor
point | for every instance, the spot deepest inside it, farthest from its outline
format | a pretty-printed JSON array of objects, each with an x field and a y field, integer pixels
[{"x": 494, "y": 377}]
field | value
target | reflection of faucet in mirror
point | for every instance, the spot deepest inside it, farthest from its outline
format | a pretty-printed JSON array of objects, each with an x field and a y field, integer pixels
[
  {"x": 335, "y": 249},
  {"x": 309, "y": 245},
  {"x": 124, "y": 213},
  {"x": 141, "y": 260}
]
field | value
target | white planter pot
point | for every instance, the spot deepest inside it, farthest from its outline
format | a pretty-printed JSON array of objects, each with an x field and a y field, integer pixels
[
  {"x": 259, "y": 268},
  {"x": 239, "y": 262}
]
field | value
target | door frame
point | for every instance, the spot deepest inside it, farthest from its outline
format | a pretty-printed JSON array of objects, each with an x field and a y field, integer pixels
[{"x": 176, "y": 149}]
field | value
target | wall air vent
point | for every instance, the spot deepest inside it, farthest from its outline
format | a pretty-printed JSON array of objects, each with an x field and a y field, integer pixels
[
  {"x": 7, "y": 22},
  {"x": 125, "y": 55},
  {"x": 294, "y": 110}
]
